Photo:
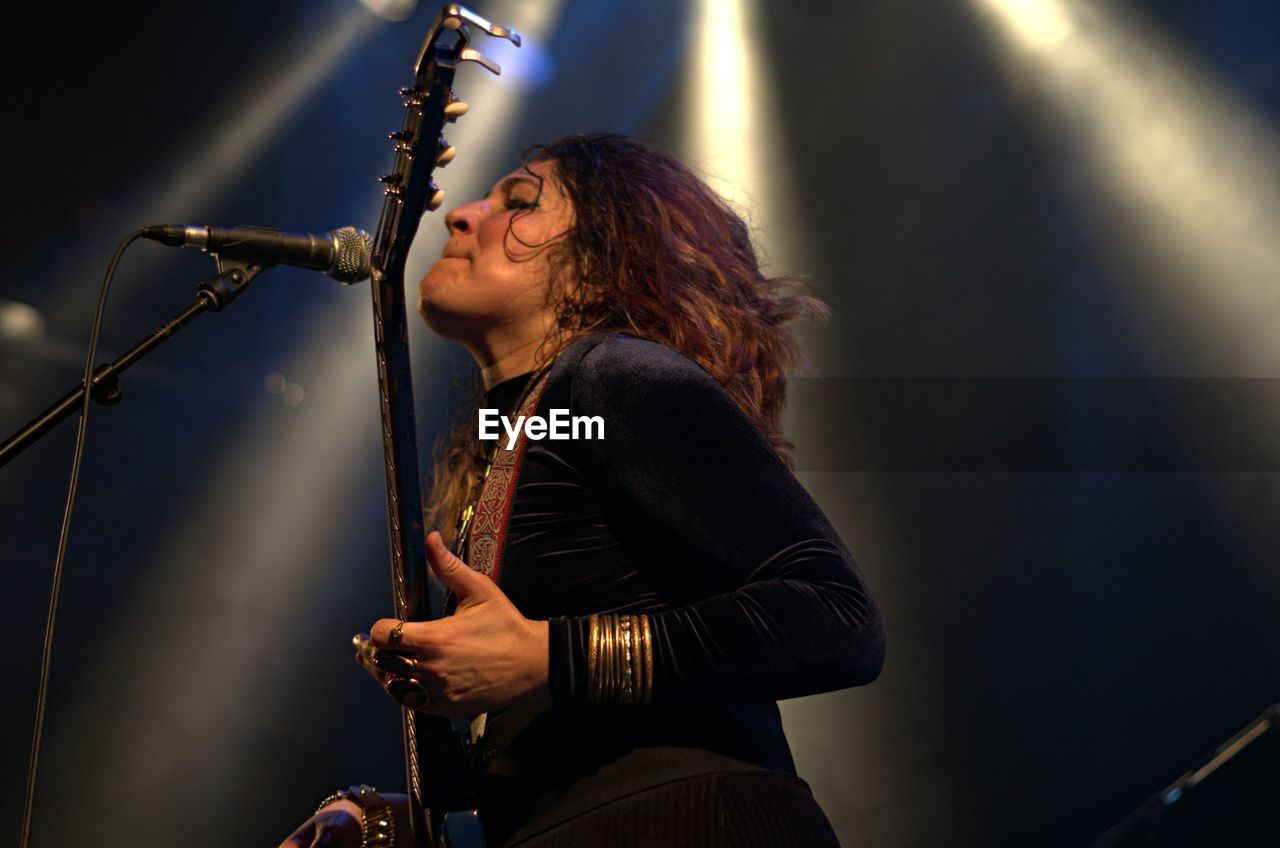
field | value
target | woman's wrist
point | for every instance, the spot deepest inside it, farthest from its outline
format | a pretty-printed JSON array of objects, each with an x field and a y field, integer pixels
[
  {"x": 539, "y": 664},
  {"x": 342, "y": 805}
]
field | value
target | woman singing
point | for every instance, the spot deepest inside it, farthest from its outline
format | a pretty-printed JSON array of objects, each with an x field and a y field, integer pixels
[{"x": 631, "y": 603}]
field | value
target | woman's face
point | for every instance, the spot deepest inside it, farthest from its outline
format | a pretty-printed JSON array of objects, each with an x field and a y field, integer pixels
[{"x": 495, "y": 274}]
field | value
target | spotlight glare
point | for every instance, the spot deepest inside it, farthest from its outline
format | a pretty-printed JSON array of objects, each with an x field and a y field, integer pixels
[
  {"x": 1042, "y": 24},
  {"x": 725, "y": 132},
  {"x": 20, "y": 321},
  {"x": 391, "y": 10},
  {"x": 728, "y": 138},
  {"x": 1179, "y": 174}
]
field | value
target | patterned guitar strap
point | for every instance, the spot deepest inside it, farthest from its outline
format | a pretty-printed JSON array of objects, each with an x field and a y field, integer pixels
[
  {"x": 488, "y": 527},
  {"x": 484, "y": 525}
]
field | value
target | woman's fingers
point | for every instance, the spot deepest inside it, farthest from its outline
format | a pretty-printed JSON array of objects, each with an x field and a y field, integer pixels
[
  {"x": 400, "y": 674},
  {"x": 419, "y": 637},
  {"x": 386, "y": 661},
  {"x": 469, "y": 585},
  {"x": 334, "y": 826},
  {"x": 484, "y": 657},
  {"x": 395, "y": 663},
  {"x": 381, "y": 664},
  {"x": 338, "y": 826},
  {"x": 300, "y": 838},
  {"x": 386, "y": 665}
]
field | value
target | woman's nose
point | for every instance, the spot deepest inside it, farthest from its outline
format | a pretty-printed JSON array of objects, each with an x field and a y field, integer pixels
[{"x": 463, "y": 219}]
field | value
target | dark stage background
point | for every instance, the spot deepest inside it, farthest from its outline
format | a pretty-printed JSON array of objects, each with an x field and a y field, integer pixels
[{"x": 1044, "y": 414}]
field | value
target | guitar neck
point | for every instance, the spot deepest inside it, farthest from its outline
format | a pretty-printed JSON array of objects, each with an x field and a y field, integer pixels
[{"x": 437, "y": 768}]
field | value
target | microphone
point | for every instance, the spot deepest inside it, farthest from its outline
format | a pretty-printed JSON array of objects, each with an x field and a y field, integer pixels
[{"x": 346, "y": 255}]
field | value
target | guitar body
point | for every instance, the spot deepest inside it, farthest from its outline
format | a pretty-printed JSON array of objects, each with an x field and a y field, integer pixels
[{"x": 462, "y": 829}]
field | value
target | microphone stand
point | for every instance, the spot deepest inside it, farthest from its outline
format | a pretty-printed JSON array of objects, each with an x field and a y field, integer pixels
[
  {"x": 1137, "y": 822},
  {"x": 213, "y": 294}
]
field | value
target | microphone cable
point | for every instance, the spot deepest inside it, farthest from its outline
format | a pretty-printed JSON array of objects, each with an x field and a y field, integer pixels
[{"x": 65, "y": 536}]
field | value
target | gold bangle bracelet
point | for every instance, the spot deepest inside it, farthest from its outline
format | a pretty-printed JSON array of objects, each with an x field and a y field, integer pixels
[
  {"x": 646, "y": 640},
  {"x": 602, "y": 684},
  {"x": 606, "y": 658},
  {"x": 377, "y": 827},
  {"x": 619, "y": 659},
  {"x": 619, "y": 673},
  {"x": 340, "y": 795},
  {"x": 628, "y": 678},
  {"x": 602, "y": 669},
  {"x": 610, "y": 693},
  {"x": 615, "y": 684},
  {"x": 593, "y": 659},
  {"x": 632, "y": 693},
  {"x": 635, "y": 658},
  {"x": 623, "y": 665}
]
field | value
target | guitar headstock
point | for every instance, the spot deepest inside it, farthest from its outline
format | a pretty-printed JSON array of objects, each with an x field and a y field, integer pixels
[
  {"x": 420, "y": 145},
  {"x": 457, "y": 18}
]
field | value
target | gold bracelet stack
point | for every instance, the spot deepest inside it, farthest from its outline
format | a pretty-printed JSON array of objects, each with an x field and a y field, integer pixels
[
  {"x": 377, "y": 819},
  {"x": 620, "y": 659},
  {"x": 377, "y": 828}
]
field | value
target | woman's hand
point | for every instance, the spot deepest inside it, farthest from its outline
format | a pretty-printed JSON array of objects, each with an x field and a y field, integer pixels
[
  {"x": 335, "y": 825},
  {"x": 483, "y": 657}
]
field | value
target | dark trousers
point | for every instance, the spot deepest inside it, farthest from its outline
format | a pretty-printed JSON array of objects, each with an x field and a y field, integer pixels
[{"x": 736, "y": 809}]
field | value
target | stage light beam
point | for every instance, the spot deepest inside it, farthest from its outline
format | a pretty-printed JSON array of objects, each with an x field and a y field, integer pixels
[
  {"x": 1179, "y": 179},
  {"x": 732, "y": 132},
  {"x": 733, "y": 139},
  {"x": 233, "y": 605},
  {"x": 185, "y": 188}
]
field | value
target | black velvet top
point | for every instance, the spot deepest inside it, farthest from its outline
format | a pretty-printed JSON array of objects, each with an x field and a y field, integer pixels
[{"x": 684, "y": 512}]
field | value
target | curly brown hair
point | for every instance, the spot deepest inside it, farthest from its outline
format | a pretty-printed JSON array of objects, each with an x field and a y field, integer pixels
[{"x": 653, "y": 252}]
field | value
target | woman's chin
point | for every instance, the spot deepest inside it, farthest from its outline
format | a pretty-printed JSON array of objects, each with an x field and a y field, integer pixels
[
  {"x": 445, "y": 322},
  {"x": 438, "y": 319}
]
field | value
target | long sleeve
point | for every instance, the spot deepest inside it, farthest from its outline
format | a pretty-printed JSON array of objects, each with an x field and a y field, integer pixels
[{"x": 770, "y": 604}]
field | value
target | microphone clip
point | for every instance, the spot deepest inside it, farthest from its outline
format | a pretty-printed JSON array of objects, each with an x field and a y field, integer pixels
[{"x": 233, "y": 276}]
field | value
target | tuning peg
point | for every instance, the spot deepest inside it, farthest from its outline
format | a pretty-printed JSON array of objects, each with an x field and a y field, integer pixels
[
  {"x": 469, "y": 55},
  {"x": 437, "y": 197},
  {"x": 455, "y": 108},
  {"x": 445, "y": 152}
]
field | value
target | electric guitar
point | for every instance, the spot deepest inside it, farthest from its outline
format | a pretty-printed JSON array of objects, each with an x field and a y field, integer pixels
[{"x": 436, "y": 763}]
